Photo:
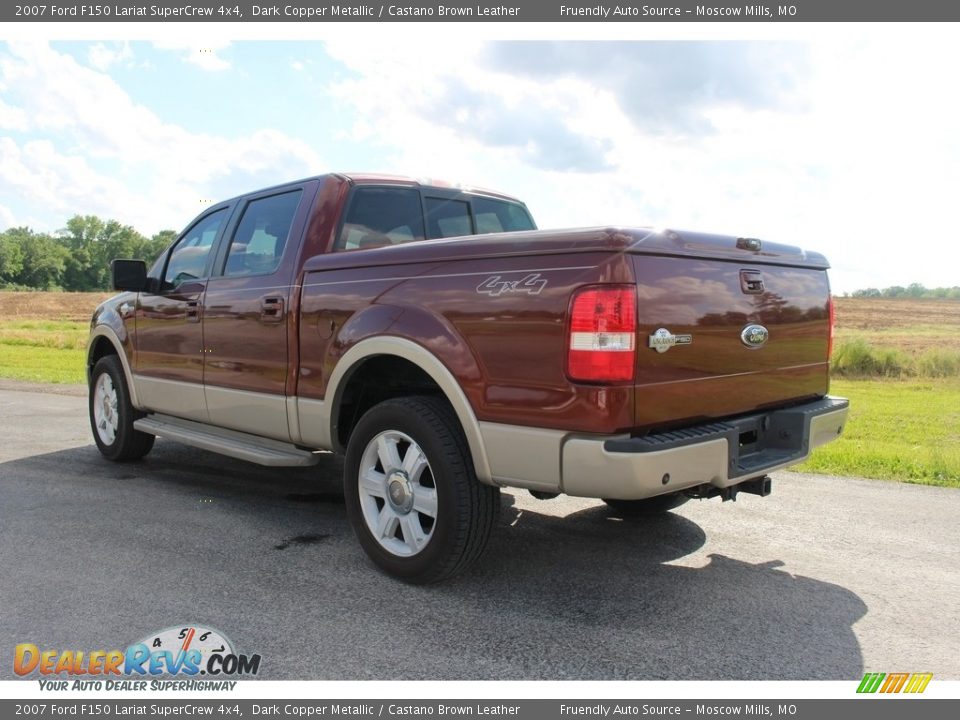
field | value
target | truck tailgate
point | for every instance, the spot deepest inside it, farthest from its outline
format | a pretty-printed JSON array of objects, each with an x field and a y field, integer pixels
[{"x": 699, "y": 354}]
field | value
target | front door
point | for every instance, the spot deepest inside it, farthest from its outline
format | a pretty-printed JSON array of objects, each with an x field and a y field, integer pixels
[
  {"x": 246, "y": 310},
  {"x": 169, "y": 359}
]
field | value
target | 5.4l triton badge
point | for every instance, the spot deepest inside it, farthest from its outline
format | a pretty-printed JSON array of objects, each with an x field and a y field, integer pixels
[
  {"x": 754, "y": 336},
  {"x": 662, "y": 340}
]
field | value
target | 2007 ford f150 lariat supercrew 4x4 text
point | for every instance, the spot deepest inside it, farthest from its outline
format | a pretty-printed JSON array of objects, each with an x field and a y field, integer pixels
[{"x": 449, "y": 349}]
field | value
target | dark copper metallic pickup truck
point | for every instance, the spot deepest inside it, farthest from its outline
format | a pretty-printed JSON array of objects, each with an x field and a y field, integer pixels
[{"x": 449, "y": 349}]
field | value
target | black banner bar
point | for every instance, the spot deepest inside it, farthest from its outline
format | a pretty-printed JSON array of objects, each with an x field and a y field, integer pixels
[{"x": 485, "y": 11}]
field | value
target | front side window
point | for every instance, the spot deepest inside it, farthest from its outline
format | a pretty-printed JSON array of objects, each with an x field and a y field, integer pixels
[
  {"x": 381, "y": 216},
  {"x": 261, "y": 236},
  {"x": 188, "y": 259}
]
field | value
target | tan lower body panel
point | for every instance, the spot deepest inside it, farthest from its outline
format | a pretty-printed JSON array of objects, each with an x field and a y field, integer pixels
[
  {"x": 314, "y": 420},
  {"x": 580, "y": 465},
  {"x": 172, "y": 397},
  {"x": 250, "y": 412},
  {"x": 523, "y": 456},
  {"x": 591, "y": 471}
]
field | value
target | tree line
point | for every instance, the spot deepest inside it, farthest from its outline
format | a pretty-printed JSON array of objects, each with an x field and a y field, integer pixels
[
  {"x": 914, "y": 290},
  {"x": 76, "y": 258}
]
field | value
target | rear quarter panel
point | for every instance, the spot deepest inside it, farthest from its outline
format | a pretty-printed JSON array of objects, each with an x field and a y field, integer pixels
[{"x": 498, "y": 324}]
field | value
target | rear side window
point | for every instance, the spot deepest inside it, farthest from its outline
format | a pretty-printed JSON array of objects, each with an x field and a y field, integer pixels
[
  {"x": 261, "y": 236},
  {"x": 381, "y": 216}
]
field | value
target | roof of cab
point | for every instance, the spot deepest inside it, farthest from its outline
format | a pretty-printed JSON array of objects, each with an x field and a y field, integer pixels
[
  {"x": 382, "y": 179},
  {"x": 363, "y": 178}
]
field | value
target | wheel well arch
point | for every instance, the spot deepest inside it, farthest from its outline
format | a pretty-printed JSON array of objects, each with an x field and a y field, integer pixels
[
  {"x": 373, "y": 380},
  {"x": 416, "y": 371},
  {"x": 105, "y": 342},
  {"x": 99, "y": 348}
]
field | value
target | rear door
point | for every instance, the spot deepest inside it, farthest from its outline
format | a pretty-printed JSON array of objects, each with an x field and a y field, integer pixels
[{"x": 246, "y": 312}]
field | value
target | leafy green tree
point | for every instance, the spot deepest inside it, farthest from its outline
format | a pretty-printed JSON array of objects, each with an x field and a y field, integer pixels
[
  {"x": 93, "y": 243},
  {"x": 11, "y": 258},
  {"x": 43, "y": 259},
  {"x": 152, "y": 248}
]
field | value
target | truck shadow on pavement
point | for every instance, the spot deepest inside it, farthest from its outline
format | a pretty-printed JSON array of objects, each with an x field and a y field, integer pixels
[{"x": 268, "y": 557}]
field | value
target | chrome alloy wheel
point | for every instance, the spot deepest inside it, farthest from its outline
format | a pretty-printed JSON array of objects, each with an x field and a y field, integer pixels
[
  {"x": 398, "y": 496},
  {"x": 106, "y": 417}
]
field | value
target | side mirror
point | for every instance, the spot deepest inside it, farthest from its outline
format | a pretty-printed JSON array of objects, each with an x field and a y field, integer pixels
[{"x": 129, "y": 275}]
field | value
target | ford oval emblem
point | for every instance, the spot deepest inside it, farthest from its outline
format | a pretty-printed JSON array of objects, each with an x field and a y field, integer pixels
[{"x": 754, "y": 336}]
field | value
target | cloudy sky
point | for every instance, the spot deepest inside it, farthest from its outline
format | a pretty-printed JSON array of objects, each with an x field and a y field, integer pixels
[{"x": 848, "y": 144}]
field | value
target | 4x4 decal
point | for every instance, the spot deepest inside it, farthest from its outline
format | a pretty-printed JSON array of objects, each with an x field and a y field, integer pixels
[{"x": 532, "y": 284}]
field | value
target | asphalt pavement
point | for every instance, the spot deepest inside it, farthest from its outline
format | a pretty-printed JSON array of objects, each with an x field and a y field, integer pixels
[{"x": 826, "y": 579}]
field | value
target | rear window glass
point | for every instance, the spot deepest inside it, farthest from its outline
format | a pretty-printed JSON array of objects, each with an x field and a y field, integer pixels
[
  {"x": 447, "y": 218},
  {"x": 499, "y": 216},
  {"x": 381, "y": 216}
]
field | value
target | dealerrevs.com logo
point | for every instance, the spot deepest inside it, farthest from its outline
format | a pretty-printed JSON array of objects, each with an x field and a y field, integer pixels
[
  {"x": 888, "y": 683},
  {"x": 187, "y": 651}
]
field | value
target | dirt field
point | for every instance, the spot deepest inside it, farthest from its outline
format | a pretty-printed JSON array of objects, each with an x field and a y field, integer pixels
[
  {"x": 912, "y": 326},
  {"x": 906, "y": 324},
  {"x": 49, "y": 305},
  {"x": 878, "y": 313}
]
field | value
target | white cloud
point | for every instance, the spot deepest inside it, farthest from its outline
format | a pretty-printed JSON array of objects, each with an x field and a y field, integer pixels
[
  {"x": 203, "y": 56},
  {"x": 7, "y": 218},
  {"x": 12, "y": 118},
  {"x": 839, "y": 146},
  {"x": 95, "y": 150},
  {"x": 102, "y": 56},
  {"x": 853, "y": 152}
]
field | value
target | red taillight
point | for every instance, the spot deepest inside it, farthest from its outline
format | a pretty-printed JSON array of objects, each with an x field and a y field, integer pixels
[
  {"x": 603, "y": 331},
  {"x": 833, "y": 322}
]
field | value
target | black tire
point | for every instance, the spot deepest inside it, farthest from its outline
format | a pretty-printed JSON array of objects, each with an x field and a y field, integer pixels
[
  {"x": 126, "y": 442},
  {"x": 648, "y": 506},
  {"x": 465, "y": 511}
]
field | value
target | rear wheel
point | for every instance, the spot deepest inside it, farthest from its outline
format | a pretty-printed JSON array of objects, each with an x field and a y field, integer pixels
[
  {"x": 112, "y": 415},
  {"x": 411, "y": 493},
  {"x": 648, "y": 506}
]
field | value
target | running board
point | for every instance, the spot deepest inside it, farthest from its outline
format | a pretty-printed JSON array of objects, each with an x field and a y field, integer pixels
[{"x": 243, "y": 446}]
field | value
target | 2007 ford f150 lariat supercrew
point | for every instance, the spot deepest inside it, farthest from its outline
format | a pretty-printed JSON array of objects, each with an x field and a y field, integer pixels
[{"x": 449, "y": 349}]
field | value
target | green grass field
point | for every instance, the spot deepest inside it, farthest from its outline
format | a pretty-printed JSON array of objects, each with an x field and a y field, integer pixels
[
  {"x": 52, "y": 351},
  {"x": 902, "y": 427},
  {"x": 906, "y": 430}
]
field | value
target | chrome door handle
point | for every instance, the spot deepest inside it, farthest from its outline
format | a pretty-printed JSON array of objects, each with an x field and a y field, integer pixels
[
  {"x": 193, "y": 311},
  {"x": 271, "y": 309}
]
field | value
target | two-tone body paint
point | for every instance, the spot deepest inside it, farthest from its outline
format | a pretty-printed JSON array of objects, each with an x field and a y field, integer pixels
[
  {"x": 508, "y": 349},
  {"x": 469, "y": 303},
  {"x": 109, "y": 324}
]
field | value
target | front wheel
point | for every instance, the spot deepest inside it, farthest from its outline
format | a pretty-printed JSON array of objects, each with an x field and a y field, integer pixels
[
  {"x": 112, "y": 415},
  {"x": 411, "y": 494}
]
